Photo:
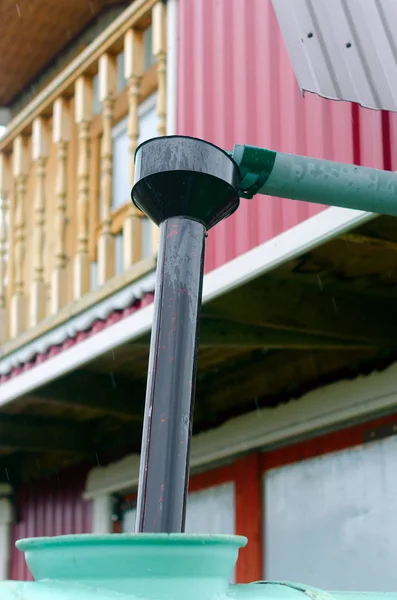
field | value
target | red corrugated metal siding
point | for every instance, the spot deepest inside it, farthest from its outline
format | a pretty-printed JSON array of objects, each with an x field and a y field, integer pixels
[
  {"x": 236, "y": 85},
  {"x": 49, "y": 507}
]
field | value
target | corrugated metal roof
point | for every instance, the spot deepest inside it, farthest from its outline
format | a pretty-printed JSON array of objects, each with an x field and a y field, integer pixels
[{"x": 343, "y": 49}]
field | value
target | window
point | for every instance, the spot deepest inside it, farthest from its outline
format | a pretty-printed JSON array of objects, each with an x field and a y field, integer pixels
[
  {"x": 208, "y": 511},
  {"x": 118, "y": 253},
  {"x": 211, "y": 510},
  {"x": 94, "y": 276},
  {"x": 330, "y": 520},
  {"x": 147, "y": 119},
  {"x": 96, "y": 104},
  {"x": 5, "y": 225},
  {"x": 147, "y": 238},
  {"x": 147, "y": 130},
  {"x": 121, "y": 82},
  {"x": 148, "y": 58},
  {"x": 121, "y": 183},
  {"x": 121, "y": 178}
]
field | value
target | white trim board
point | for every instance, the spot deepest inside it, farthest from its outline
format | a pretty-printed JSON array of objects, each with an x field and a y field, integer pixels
[
  {"x": 301, "y": 238},
  {"x": 101, "y": 519},
  {"x": 328, "y": 408},
  {"x": 6, "y": 520}
]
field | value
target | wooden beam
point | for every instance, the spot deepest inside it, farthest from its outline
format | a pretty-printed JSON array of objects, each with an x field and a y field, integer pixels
[
  {"x": 116, "y": 437},
  {"x": 22, "y": 467},
  {"x": 111, "y": 438},
  {"x": 267, "y": 380},
  {"x": 230, "y": 334},
  {"x": 358, "y": 276},
  {"x": 102, "y": 394},
  {"x": 41, "y": 435},
  {"x": 227, "y": 333},
  {"x": 288, "y": 306},
  {"x": 357, "y": 238}
]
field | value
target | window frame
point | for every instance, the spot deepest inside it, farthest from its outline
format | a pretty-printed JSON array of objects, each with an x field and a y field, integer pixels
[
  {"x": 245, "y": 473},
  {"x": 148, "y": 88},
  {"x": 197, "y": 483}
]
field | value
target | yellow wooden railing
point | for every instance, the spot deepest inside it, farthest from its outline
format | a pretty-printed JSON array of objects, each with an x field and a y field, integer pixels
[{"x": 63, "y": 231}]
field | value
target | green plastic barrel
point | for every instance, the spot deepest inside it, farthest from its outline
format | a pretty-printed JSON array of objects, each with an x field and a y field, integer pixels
[{"x": 148, "y": 567}]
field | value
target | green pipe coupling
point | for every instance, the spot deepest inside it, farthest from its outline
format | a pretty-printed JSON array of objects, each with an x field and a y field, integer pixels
[{"x": 255, "y": 166}]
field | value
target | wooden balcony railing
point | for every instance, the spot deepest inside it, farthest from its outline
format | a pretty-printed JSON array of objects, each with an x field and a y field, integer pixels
[{"x": 66, "y": 169}]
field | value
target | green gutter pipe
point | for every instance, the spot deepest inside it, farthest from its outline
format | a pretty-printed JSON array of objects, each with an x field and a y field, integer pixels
[{"x": 312, "y": 180}]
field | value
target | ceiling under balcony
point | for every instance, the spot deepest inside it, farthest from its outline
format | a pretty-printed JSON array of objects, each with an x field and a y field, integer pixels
[
  {"x": 319, "y": 317},
  {"x": 34, "y": 34}
]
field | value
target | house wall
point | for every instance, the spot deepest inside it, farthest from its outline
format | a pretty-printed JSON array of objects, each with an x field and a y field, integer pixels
[
  {"x": 236, "y": 85},
  {"x": 329, "y": 508},
  {"x": 295, "y": 501},
  {"x": 54, "y": 506},
  {"x": 317, "y": 511},
  {"x": 311, "y": 478}
]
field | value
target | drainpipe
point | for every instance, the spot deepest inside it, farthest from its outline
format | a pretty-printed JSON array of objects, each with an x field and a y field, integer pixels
[
  {"x": 185, "y": 186},
  {"x": 313, "y": 180}
]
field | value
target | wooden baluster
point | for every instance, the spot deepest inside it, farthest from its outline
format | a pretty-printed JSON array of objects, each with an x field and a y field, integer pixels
[
  {"x": 107, "y": 92},
  {"x": 5, "y": 184},
  {"x": 133, "y": 70},
  {"x": 39, "y": 156},
  {"x": 159, "y": 25},
  {"x": 20, "y": 169},
  {"x": 61, "y": 130},
  {"x": 83, "y": 116}
]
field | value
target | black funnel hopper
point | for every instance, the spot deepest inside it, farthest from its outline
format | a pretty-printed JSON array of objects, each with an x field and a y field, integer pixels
[{"x": 179, "y": 176}]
